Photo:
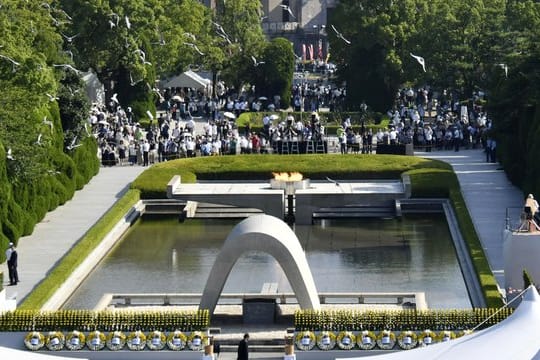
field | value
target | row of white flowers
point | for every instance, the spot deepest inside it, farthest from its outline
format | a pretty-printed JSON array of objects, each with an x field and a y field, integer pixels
[
  {"x": 367, "y": 340},
  {"x": 115, "y": 340}
]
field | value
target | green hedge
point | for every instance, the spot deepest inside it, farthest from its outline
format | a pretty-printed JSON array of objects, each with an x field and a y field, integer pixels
[
  {"x": 88, "y": 320},
  {"x": 378, "y": 320},
  {"x": 39, "y": 296}
]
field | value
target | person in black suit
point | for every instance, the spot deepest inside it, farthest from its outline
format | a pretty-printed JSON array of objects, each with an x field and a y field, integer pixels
[
  {"x": 12, "y": 265},
  {"x": 243, "y": 351}
]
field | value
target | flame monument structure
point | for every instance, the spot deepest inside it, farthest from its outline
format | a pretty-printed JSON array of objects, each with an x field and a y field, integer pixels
[{"x": 270, "y": 235}]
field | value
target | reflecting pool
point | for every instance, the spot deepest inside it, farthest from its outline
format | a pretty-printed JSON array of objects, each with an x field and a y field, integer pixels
[{"x": 415, "y": 253}]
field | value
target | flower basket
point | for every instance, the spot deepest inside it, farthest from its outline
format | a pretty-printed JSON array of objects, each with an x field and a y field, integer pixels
[
  {"x": 177, "y": 340},
  {"x": 55, "y": 340},
  {"x": 427, "y": 337},
  {"x": 446, "y": 335},
  {"x": 136, "y": 341},
  {"x": 116, "y": 340},
  {"x": 386, "y": 340},
  {"x": 196, "y": 341},
  {"x": 34, "y": 340},
  {"x": 75, "y": 340},
  {"x": 346, "y": 340},
  {"x": 96, "y": 340},
  {"x": 366, "y": 340},
  {"x": 326, "y": 340},
  {"x": 407, "y": 340},
  {"x": 156, "y": 340},
  {"x": 305, "y": 340}
]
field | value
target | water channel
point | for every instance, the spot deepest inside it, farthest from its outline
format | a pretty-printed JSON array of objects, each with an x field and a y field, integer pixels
[{"x": 411, "y": 254}]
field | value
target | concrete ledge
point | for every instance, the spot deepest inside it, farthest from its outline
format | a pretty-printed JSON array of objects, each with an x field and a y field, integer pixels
[{"x": 173, "y": 185}]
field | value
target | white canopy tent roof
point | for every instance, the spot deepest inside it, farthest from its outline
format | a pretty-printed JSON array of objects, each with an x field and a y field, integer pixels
[
  {"x": 7, "y": 353},
  {"x": 514, "y": 338},
  {"x": 189, "y": 79}
]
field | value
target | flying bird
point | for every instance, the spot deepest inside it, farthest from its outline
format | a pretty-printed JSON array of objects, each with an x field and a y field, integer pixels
[
  {"x": 48, "y": 122},
  {"x": 38, "y": 142},
  {"x": 333, "y": 181},
  {"x": 288, "y": 9},
  {"x": 194, "y": 47},
  {"x": 255, "y": 62},
  {"x": 72, "y": 145},
  {"x": 114, "y": 98},
  {"x": 128, "y": 24},
  {"x": 69, "y": 39},
  {"x": 9, "y": 156},
  {"x": 420, "y": 60},
  {"x": 68, "y": 66},
  {"x": 116, "y": 19},
  {"x": 149, "y": 114},
  {"x": 505, "y": 68},
  {"x": 340, "y": 35},
  {"x": 52, "y": 97},
  {"x": 13, "y": 62},
  {"x": 190, "y": 35},
  {"x": 142, "y": 55}
]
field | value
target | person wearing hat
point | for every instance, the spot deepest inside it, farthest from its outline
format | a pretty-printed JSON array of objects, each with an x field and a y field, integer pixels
[{"x": 11, "y": 256}]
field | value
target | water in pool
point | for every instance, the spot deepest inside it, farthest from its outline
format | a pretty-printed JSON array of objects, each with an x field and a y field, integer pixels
[{"x": 411, "y": 254}]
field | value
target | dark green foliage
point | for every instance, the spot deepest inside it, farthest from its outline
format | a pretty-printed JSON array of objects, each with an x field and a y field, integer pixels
[{"x": 527, "y": 279}]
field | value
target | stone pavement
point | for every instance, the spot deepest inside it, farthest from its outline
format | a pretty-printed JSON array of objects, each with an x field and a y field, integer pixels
[
  {"x": 60, "y": 229},
  {"x": 487, "y": 193}
]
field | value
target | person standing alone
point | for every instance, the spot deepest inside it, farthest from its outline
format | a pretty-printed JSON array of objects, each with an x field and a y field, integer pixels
[
  {"x": 243, "y": 351},
  {"x": 11, "y": 256}
]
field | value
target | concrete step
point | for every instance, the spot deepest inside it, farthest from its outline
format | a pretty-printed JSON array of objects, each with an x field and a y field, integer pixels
[
  {"x": 355, "y": 212},
  {"x": 255, "y": 348}
]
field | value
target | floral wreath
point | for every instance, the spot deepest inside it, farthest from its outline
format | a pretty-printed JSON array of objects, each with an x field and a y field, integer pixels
[
  {"x": 366, "y": 340},
  {"x": 386, "y": 340},
  {"x": 346, "y": 340},
  {"x": 195, "y": 341},
  {"x": 427, "y": 337},
  {"x": 96, "y": 340},
  {"x": 326, "y": 340},
  {"x": 116, "y": 340},
  {"x": 54, "y": 340},
  {"x": 446, "y": 335},
  {"x": 34, "y": 340},
  {"x": 136, "y": 340},
  {"x": 156, "y": 340},
  {"x": 407, "y": 340},
  {"x": 176, "y": 340},
  {"x": 75, "y": 340},
  {"x": 305, "y": 340}
]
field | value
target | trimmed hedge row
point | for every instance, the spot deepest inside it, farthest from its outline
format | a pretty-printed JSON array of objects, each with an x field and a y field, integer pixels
[
  {"x": 88, "y": 320},
  {"x": 397, "y": 320}
]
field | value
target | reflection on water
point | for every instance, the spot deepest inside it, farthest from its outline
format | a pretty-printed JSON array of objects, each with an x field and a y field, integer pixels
[{"x": 367, "y": 255}]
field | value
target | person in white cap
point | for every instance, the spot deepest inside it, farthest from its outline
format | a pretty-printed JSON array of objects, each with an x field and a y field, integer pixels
[{"x": 11, "y": 256}]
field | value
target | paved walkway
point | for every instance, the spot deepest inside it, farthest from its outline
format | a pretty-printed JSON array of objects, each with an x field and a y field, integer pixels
[
  {"x": 60, "y": 229},
  {"x": 488, "y": 193}
]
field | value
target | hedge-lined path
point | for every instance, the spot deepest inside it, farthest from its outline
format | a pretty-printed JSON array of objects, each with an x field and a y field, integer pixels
[
  {"x": 61, "y": 228},
  {"x": 487, "y": 193}
]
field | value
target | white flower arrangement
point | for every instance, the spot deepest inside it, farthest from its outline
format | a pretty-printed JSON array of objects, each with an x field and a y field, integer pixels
[
  {"x": 116, "y": 340},
  {"x": 34, "y": 340},
  {"x": 195, "y": 341},
  {"x": 346, "y": 340},
  {"x": 427, "y": 337},
  {"x": 96, "y": 340},
  {"x": 407, "y": 340},
  {"x": 156, "y": 340},
  {"x": 386, "y": 340},
  {"x": 305, "y": 340},
  {"x": 55, "y": 340},
  {"x": 446, "y": 335},
  {"x": 464, "y": 333},
  {"x": 75, "y": 340},
  {"x": 177, "y": 340},
  {"x": 366, "y": 340},
  {"x": 326, "y": 340},
  {"x": 136, "y": 340}
]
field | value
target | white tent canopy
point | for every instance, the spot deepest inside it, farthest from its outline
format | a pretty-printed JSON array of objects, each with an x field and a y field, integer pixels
[
  {"x": 7, "y": 353},
  {"x": 189, "y": 79},
  {"x": 514, "y": 338}
]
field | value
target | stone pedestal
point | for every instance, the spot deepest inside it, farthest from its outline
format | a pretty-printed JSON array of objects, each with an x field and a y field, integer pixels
[{"x": 259, "y": 311}]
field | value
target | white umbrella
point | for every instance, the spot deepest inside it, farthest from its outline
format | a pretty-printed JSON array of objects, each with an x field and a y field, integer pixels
[
  {"x": 263, "y": 98},
  {"x": 274, "y": 117},
  {"x": 229, "y": 115},
  {"x": 177, "y": 98}
]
